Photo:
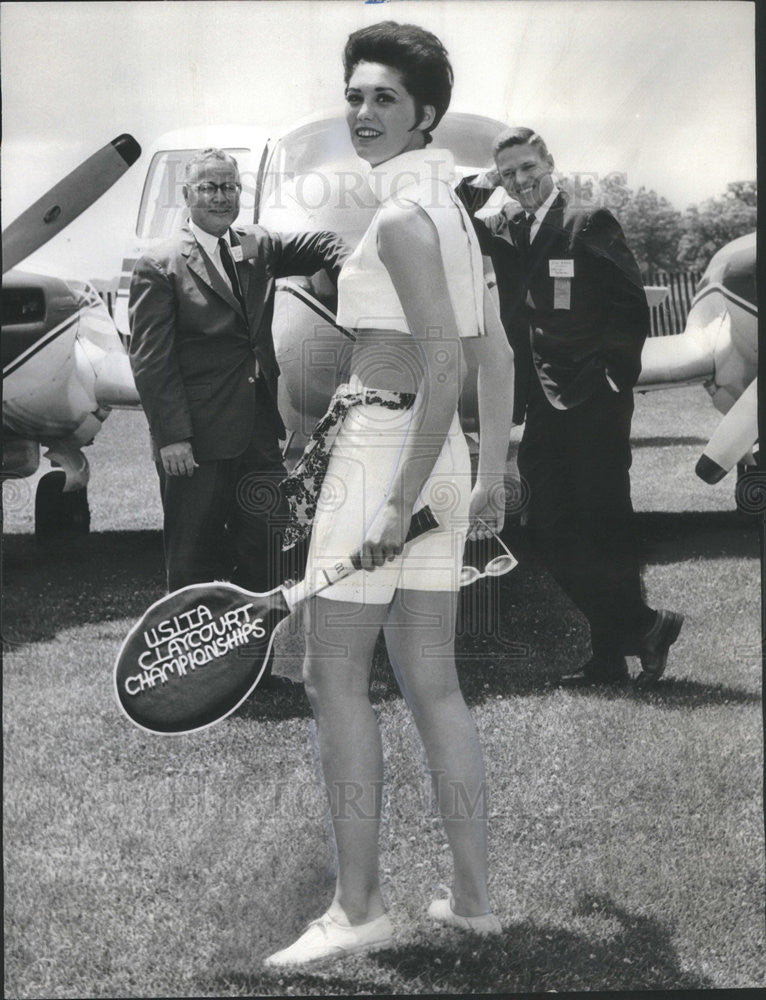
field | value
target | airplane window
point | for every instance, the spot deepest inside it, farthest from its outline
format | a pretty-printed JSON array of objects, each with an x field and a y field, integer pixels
[
  {"x": 309, "y": 149},
  {"x": 314, "y": 145},
  {"x": 162, "y": 208}
]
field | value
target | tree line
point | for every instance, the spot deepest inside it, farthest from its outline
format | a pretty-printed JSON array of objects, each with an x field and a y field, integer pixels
[{"x": 660, "y": 236}]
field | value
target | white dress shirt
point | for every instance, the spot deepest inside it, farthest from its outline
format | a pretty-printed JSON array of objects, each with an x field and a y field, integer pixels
[
  {"x": 209, "y": 244},
  {"x": 541, "y": 212}
]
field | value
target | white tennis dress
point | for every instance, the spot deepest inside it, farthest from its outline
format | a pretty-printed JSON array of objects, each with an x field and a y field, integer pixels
[{"x": 368, "y": 451}]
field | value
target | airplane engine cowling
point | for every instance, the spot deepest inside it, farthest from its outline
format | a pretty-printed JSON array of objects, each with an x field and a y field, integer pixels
[{"x": 313, "y": 355}]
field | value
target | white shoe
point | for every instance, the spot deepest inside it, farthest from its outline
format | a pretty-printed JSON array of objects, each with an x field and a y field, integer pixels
[
  {"x": 325, "y": 939},
  {"x": 485, "y": 923}
]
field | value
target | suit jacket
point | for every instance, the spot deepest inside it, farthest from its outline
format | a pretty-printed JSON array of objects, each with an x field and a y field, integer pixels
[
  {"x": 193, "y": 351},
  {"x": 603, "y": 330},
  {"x": 496, "y": 242}
]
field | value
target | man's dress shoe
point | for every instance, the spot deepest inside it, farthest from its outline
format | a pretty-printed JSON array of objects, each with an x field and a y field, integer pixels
[{"x": 655, "y": 644}]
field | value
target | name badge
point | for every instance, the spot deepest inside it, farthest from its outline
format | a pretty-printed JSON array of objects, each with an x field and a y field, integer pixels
[
  {"x": 236, "y": 253},
  {"x": 561, "y": 268},
  {"x": 562, "y": 293}
]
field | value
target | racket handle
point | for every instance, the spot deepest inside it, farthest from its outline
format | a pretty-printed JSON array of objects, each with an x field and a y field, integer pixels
[{"x": 422, "y": 520}]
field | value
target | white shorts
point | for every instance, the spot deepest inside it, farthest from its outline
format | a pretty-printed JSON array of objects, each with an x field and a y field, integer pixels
[{"x": 365, "y": 458}]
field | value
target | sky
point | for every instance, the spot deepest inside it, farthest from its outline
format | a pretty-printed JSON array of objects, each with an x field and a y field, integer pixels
[{"x": 660, "y": 90}]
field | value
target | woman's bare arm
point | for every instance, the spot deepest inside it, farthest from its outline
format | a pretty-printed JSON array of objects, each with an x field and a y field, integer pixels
[
  {"x": 493, "y": 357},
  {"x": 408, "y": 245}
]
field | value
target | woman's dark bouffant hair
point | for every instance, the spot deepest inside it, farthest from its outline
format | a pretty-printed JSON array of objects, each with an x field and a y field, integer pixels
[{"x": 415, "y": 53}]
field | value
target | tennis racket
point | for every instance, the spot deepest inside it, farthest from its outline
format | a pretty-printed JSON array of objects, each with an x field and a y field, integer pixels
[{"x": 199, "y": 652}]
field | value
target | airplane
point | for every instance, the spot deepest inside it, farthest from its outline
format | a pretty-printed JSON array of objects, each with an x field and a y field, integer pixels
[{"x": 64, "y": 365}]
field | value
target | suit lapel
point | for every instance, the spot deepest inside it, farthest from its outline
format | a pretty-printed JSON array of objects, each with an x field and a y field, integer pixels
[{"x": 200, "y": 264}]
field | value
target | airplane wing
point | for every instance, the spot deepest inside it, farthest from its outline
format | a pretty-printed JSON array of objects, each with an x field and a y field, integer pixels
[{"x": 681, "y": 359}]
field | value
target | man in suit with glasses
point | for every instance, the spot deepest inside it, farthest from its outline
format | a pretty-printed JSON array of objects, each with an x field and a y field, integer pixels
[
  {"x": 575, "y": 311},
  {"x": 201, "y": 307}
]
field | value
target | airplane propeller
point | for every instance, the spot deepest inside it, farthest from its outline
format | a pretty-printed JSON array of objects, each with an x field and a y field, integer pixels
[
  {"x": 734, "y": 437},
  {"x": 67, "y": 199}
]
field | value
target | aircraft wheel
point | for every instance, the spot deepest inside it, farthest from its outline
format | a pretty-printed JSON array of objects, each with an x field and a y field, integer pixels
[{"x": 58, "y": 513}]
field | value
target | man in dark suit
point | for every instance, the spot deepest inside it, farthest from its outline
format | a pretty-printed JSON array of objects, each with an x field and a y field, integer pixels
[
  {"x": 576, "y": 314},
  {"x": 202, "y": 354}
]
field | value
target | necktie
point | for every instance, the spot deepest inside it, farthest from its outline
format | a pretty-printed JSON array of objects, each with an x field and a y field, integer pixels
[
  {"x": 231, "y": 271},
  {"x": 525, "y": 228}
]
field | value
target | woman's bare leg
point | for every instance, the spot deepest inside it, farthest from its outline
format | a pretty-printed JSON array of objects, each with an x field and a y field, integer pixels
[
  {"x": 420, "y": 636},
  {"x": 340, "y": 639}
]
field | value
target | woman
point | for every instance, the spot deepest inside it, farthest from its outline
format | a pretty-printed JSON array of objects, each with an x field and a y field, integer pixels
[{"x": 413, "y": 290}]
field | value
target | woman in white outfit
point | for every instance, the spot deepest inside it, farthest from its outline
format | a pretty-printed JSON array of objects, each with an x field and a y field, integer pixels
[{"x": 414, "y": 293}]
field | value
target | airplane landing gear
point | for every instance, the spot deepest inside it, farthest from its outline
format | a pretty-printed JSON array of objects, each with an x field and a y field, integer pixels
[{"x": 59, "y": 514}]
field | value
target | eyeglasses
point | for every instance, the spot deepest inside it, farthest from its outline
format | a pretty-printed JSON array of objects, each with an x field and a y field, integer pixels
[
  {"x": 208, "y": 189},
  {"x": 491, "y": 553}
]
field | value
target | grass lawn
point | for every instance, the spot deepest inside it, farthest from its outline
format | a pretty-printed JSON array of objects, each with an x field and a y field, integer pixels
[{"x": 626, "y": 826}]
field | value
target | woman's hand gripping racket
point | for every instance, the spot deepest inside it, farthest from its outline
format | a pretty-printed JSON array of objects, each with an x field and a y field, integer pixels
[{"x": 198, "y": 653}]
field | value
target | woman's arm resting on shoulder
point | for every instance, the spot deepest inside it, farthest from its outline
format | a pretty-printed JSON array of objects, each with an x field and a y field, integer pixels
[
  {"x": 408, "y": 245},
  {"x": 493, "y": 357}
]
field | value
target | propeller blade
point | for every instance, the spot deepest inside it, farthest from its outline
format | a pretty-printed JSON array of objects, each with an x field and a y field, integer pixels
[
  {"x": 733, "y": 438},
  {"x": 67, "y": 199}
]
